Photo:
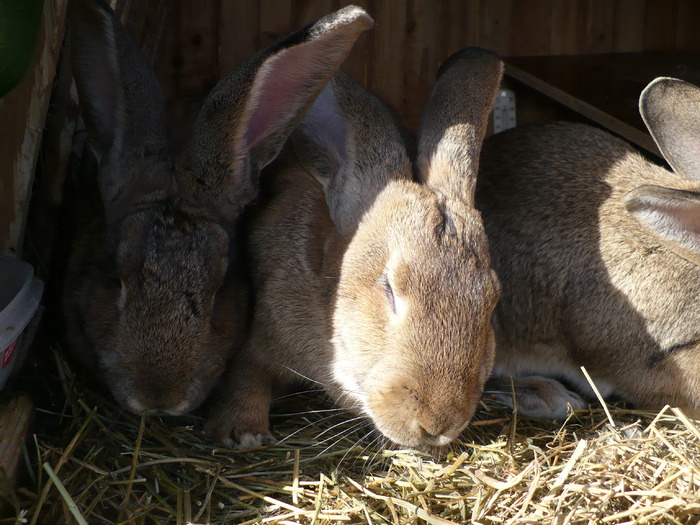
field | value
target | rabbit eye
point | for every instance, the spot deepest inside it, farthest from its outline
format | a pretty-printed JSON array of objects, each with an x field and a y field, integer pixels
[{"x": 389, "y": 292}]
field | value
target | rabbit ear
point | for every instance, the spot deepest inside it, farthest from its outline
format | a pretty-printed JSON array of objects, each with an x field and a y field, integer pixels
[
  {"x": 251, "y": 113},
  {"x": 671, "y": 110},
  {"x": 672, "y": 214},
  {"x": 123, "y": 107},
  {"x": 350, "y": 143},
  {"x": 454, "y": 122}
]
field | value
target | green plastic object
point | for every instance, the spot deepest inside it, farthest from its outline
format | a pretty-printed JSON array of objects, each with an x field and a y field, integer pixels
[{"x": 19, "y": 28}]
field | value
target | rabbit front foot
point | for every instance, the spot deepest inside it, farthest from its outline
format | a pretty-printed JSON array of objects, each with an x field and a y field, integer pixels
[
  {"x": 238, "y": 430},
  {"x": 242, "y": 437},
  {"x": 535, "y": 396},
  {"x": 249, "y": 441}
]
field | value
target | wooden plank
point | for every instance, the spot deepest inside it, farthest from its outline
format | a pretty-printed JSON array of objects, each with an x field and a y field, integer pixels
[
  {"x": 170, "y": 61},
  {"x": 461, "y": 24},
  {"x": 16, "y": 414},
  {"x": 600, "y": 21},
  {"x": 307, "y": 11},
  {"x": 387, "y": 55},
  {"x": 531, "y": 28},
  {"x": 496, "y": 26},
  {"x": 614, "y": 81},
  {"x": 275, "y": 20},
  {"x": 22, "y": 113},
  {"x": 583, "y": 107},
  {"x": 239, "y": 36},
  {"x": 660, "y": 31},
  {"x": 196, "y": 47},
  {"x": 687, "y": 26},
  {"x": 568, "y": 25},
  {"x": 421, "y": 58},
  {"x": 629, "y": 26}
]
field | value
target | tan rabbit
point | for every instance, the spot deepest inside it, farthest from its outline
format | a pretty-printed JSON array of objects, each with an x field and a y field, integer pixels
[
  {"x": 376, "y": 287},
  {"x": 156, "y": 290},
  {"x": 597, "y": 250}
]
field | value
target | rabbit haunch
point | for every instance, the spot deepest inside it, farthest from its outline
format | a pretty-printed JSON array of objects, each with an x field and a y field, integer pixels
[
  {"x": 156, "y": 290},
  {"x": 371, "y": 285},
  {"x": 598, "y": 251}
]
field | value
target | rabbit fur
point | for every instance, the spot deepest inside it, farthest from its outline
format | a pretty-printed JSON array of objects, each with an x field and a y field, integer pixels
[
  {"x": 372, "y": 285},
  {"x": 156, "y": 289},
  {"x": 597, "y": 250}
]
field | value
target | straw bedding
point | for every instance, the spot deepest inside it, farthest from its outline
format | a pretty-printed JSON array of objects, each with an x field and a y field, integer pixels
[{"x": 98, "y": 464}]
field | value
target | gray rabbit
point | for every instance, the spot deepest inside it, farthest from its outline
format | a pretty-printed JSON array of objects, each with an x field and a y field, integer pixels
[{"x": 156, "y": 289}]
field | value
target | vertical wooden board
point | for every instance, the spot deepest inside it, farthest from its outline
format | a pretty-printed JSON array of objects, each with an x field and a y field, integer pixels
[
  {"x": 387, "y": 76},
  {"x": 198, "y": 44},
  {"x": 275, "y": 20},
  {"x": 22, "y": 114},
  {"x": 600, "y": 23},
  {"x": 357, "y": 63},
  {"x": 239, "y": 37},
  {"x": 660, "y": 32},
  {"x": 307, "y": 11},
  {"x": 531, "y": 27},
  {"x": 460, "y": 22},
  {"x": 568, "y": 24},
  {"x": 629, "y": 26},
  {"x": 170, "y": 62},
  {"x": 16, "y": 415},
  {"x": 442, "y": 31},
  {"x": 687, "y": 37},
  {"x": 496, "y": 26},
  {"x": 421, "y": 57}
]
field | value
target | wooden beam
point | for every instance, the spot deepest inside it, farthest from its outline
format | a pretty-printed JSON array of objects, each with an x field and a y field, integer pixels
[
  {"x": 16, "y": 415},
  {"x": 22, "y": 115}
]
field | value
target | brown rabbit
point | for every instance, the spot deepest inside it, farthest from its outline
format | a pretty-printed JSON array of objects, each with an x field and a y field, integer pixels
[
  {"x": 156, "y": 292},
  {"x": 597, "y": 250},
  {"x": 372, "y": 285}
]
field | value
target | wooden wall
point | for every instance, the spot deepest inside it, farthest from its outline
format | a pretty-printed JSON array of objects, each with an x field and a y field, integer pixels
[{"x": 398, "y": 59}]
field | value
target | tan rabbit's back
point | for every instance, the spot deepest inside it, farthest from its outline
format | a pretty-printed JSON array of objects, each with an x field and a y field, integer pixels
[{"x": 585, "y": 284}]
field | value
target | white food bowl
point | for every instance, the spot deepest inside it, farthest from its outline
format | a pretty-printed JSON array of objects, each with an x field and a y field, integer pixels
[{"x": 20, "y": 293}]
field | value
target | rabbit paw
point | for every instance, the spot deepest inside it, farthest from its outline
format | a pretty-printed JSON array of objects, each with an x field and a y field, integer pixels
[
  {"x": 239, "y": 430},
  {"x": 536, "y": 396},
  {"x": 248, "y": 441}
]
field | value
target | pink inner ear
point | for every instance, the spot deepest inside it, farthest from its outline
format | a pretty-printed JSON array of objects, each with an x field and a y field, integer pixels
[
  {"x": 677, "y": 220},
  {"x": 688, "y": 220},
  {"x": 285, "y": 83}
]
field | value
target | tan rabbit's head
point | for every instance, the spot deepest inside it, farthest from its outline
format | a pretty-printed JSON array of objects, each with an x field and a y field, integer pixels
[{"x": 412, "y": 336}]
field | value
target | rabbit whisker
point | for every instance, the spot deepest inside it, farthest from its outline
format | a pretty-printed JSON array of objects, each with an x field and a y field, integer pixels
[
  {"x": 315, "y": 411},
  {"x": 340, "y": 437}
]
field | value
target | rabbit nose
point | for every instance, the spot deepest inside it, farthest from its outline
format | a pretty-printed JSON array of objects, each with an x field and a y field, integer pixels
[
  {"x": 437, "y": 431},
  {"x": 157, "y": 398},
  {"x": 155, "y": 408}
]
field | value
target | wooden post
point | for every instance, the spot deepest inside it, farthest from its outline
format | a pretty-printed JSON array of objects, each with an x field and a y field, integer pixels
[
  {"x": 15, "y": 422},
  {"x": 22, "y": 115}
]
